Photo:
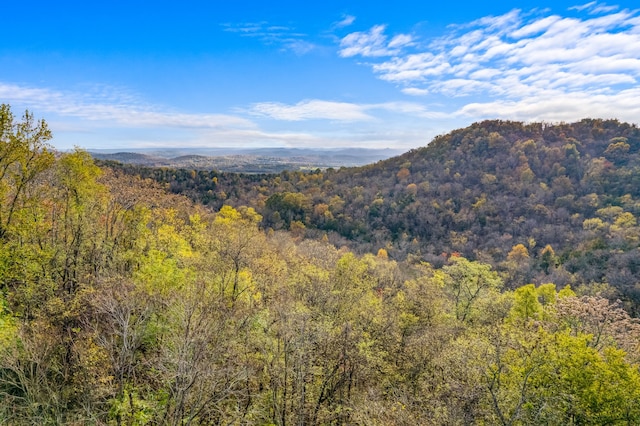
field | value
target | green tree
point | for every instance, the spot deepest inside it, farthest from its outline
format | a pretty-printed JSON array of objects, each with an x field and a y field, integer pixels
[
  {"x": 24, "y": 157},
  {"x": 467, "y": 283}
]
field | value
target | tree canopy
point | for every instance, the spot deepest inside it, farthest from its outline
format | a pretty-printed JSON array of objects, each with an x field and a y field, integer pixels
[
  {"x": 566, "y": 193},
  {"x": 122, "y": 303}
]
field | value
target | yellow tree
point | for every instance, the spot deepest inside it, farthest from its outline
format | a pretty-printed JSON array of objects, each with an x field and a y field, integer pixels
[{"x": 24, "y": 156}]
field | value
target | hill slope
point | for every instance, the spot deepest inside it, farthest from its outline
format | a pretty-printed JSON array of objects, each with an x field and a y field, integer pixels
[{"x": 561, "y": 199}]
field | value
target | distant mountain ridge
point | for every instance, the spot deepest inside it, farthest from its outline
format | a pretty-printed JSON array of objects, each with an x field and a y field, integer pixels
[{"x": 257, "y": 160}]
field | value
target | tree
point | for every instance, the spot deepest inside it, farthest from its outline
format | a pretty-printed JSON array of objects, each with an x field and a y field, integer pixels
[
  {"x": 24, "y": 156},
  {"x": 467, "y": 283},
  {"x": 548, "y": 259}
]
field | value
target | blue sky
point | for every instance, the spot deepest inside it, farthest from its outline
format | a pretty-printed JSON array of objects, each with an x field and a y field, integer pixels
[{"x": 312, "y": 74}]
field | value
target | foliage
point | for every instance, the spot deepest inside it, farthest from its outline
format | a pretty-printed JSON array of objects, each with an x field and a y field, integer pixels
[
  {"x": 123, "y": 304},
  {"x": 565, "y": 195}
]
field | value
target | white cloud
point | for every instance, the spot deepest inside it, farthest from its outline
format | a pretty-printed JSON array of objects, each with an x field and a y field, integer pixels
[
  {"x": 583, "y": 6},
  {"x": 373, "y": 43},
  {"x": 280, "y": 35},
  {"x": 413, "y": 67},
  {"x": 310, "y": 110},
  {"x": 345, "y": 21},
  {"x": 299, "y": 47},
  {"x": 459, "y": 87},
  {"x": 594, "y": 7},
  {"x": 106, "y": 117},
  {"x": 414, "y": 91},
  {"x": 521, "y": 65},
  {"x": 484, "y": 74},
  {"x": 561, "y": 107},
  {"x": 400, "y": 40},
  {"x": 339, "y": 111},
  {"x": 500, "y": 23},
  {"x": 603, "y": 9},
  {"x": 535, "y": 27},
  {"x": 113, "y": 107},
  {"x": 406, "y": 108}
]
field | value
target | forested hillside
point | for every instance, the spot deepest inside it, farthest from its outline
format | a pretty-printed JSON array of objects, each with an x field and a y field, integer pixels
[
  {"x": 539, "y": 202},
  {"x": 124, "y": 304}
]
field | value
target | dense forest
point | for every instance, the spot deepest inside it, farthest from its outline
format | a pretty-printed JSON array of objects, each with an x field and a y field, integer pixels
[
  {"x": 561, "y": 199},
  {"x": 452, "y": 285}
]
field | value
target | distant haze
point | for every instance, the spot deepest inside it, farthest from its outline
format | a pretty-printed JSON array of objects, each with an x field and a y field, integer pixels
[{"x": 257, "y": 160}]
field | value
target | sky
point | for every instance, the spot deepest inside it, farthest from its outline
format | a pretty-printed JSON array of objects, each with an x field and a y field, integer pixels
[{"x": 326, "y": 74}]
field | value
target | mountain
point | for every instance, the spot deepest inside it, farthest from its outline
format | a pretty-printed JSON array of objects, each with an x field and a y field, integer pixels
[
  {"x": 563, "y": 199},
  {"x": 258, "y": 160}
]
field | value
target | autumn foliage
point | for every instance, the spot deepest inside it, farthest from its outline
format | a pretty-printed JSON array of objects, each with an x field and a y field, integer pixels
[{"x": 121, "y": 303}]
